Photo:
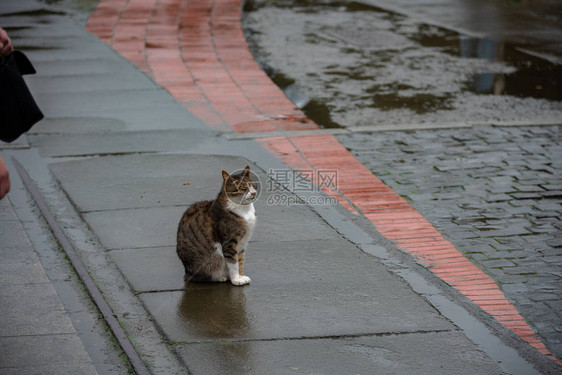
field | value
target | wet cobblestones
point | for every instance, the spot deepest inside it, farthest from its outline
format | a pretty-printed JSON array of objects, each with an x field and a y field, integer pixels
[{"x": 496, "y": 194}]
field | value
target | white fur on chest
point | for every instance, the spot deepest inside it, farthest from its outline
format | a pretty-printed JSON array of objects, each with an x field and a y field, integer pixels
[{"x": 248, "y": 213}]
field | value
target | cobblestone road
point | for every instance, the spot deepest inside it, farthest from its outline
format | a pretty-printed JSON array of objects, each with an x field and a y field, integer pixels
[{"x": 495, "y": 193}]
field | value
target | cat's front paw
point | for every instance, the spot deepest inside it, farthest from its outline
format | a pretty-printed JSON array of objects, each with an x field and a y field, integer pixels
[{"x": 242, "y": 280}]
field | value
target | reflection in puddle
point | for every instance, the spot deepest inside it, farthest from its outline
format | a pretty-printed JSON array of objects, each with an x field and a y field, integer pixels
[
  {"x": 216, "y": 313},
  {"x": 529, "y": 76},
  {"x": 214, "y": 310}
]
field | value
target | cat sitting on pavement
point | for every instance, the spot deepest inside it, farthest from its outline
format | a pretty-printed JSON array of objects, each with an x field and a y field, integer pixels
[{"x": 213, "y": 235}]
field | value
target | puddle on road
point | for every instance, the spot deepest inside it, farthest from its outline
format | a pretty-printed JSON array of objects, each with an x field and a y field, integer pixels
[
  {"x": 419, "y": 103},
  {"x": 313, "y": 109},
  {"x": 532, "y": 77},
  {"x": 501, "y": 69}
]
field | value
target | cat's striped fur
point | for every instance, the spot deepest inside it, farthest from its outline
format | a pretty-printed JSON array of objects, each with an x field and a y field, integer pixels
[{"x": 213, "y": 235}]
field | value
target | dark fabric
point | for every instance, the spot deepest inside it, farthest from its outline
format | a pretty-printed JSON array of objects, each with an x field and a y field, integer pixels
[{"x": 18, "y": 110}]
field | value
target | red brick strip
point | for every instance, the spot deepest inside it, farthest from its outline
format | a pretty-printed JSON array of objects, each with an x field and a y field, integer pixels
[{"x": 197, "y": 51}]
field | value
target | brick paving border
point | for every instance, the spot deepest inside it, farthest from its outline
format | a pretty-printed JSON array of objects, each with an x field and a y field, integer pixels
[{"x": 197, "y": 51}]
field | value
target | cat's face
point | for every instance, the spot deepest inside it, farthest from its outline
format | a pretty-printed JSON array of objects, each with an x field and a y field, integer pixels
[{"x": 239, "y": 187}]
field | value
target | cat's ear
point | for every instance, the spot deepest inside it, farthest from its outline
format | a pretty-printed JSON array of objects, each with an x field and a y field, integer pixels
[
  {"x": 247, "y": 170},
  {"x": 225, "y": 175}
]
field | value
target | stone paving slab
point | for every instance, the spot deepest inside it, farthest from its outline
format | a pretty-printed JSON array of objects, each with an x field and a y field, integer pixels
[
  {"x": 46, "y": 354},
  {"x": 92, "y": 103},
  {"x": 100, "y": 66},
  {"x": 153, "y": 269},
  {"x": 64, "y": 49},
  {"x": 136, "y": 181},
  {"x": 117, "y": 143},
  {"x": 57, "y": 369},
  {"x": 363, "y": 355},
  {"x": 78, "y": 125},
  {"x": 87, "y": 82},
  {"x": 134, "y": 190},
  {"x": 19, "y": 267},
  {"x": 137, "y": 227},
  {"x": 89, "y": 120},
  {"x": 311, "y": 288},
  {"x": 263, "y": 311},
  {"x": 20, "y": 6},
  {"x": 36, "y": 333},
  {"x": 44, "y": 313},
  {"x": 150, "y": 269}
]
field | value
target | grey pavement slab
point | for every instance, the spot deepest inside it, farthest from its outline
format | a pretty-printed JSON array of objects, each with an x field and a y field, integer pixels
[
  {"x": 192, "y": 167},
  {"x": 101, "y": 102},
  {"x": 132, "y": 228},
  {"x": 155, "y": 117},
  {"x": 88, "y": 82},
  {"x": 46, "y": 354},
  {"x": 393, "y": 354},
  {"x": 146, "y": 195},
  {"x": 313, "y": 288},
  {"x": 32, "y": 309},
  {"x": 12, "y": 237},
  {"x": 62, "y": 44},
  {"x": 220, "y": 312},
  {"x": 18, "y": 6},
  {"x": 101, "y": 66},
  {"x": 36, "y": 333},
  {"x": 19, "y": 267},
  {"x": 117, "y": 142},
  {"x": 135, "y": 181},
  {"x": 20, "y": 264},
  {"x": 77, "y": 125},
  {"x": 157, "y": 226},
  {"x": 28, "y": 302},
  {"x": 58, "y": 369},
  {"x": 150, "y": 269}
]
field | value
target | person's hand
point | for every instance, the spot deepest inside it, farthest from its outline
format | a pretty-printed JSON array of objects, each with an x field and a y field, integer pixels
[
  {"x": 5, "y": 43},
  {"x": 4, "y": 179}
]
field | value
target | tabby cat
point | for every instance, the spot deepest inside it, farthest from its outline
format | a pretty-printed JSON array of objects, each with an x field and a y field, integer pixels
[{"x": 213, "y": 235}]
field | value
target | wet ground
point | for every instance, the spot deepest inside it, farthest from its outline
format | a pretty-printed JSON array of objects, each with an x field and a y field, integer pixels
[
  {"x": 494, "y": 192},
  {"x": 531, "y": 25},
  {"x": 349, "y": 64}
]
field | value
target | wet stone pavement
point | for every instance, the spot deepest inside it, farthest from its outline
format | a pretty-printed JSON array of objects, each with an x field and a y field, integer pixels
[{"x": 495, "y": 193}]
